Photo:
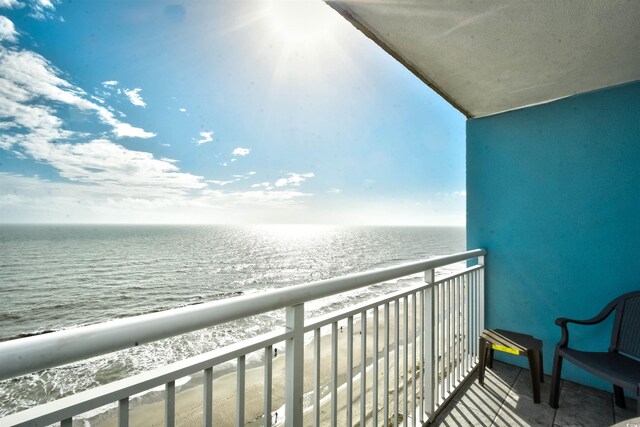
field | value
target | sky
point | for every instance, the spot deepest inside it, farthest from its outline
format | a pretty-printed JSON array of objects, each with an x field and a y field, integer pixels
[{"x": 216, "y": 112}]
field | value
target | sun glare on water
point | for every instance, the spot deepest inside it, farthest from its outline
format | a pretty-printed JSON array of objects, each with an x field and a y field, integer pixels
[
  {"x": 301, "y": 22},
  {"x": 286, "y": 233}
]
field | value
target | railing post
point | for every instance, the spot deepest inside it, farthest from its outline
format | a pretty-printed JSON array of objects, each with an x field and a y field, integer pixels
[
  {"x": 430, "y": 368},
  {"x": 294, "y": 366},
  {"x": 481, "y": 295}
]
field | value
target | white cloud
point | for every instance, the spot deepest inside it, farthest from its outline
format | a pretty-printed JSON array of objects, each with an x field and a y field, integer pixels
[
  {"x": 110, "y": 83},
  {"x": 222, "y": 183},
  {"x": 452, "y": 195},
  {"x": 27, "y": 80},
  {"x": 334, "y": 191},
  {"x": 251, "y": 173},
  {"x": 30, "y": 87},
  {"x": 42, "y": 9},
  {"x": 182, "y": 110},
  {"x": 293, "y": 178},
  {"x": 205, "y": 137},
  {"x": 257, "y": 198},
  {"x": 241, "y": 151},
  {"x": 31, "y": 199},
  {"x": 9, "y": 3},
  {"x": 7, "y": 30},
  {"x": 134, "y": 97},
  {"x": 121, "y": 129},
  {"x": 266, "y": 185},
  {"x": 102, "y": 162}
]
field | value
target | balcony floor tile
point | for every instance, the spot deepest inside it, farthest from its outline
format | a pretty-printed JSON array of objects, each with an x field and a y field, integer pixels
[{"x": 506, "y": 400}]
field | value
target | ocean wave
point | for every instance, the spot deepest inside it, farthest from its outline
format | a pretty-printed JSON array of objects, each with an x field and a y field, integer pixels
[{"x": 27, "y": 334}]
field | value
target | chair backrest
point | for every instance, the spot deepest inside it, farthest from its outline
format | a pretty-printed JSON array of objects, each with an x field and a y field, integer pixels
[{"x": 628, "y": 328}]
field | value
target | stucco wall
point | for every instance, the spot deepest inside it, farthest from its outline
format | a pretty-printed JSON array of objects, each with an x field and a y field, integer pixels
[{"x": 553, "y": 194}]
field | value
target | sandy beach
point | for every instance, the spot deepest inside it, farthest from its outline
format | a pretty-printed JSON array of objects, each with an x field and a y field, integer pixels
[{"x": 189, "y": 405}]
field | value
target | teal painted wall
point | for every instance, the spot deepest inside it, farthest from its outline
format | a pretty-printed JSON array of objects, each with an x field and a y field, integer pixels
[{"x": 553, "y": 194}]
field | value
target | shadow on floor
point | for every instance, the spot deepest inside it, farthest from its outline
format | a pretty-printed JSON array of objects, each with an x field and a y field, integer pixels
[{"x": 506, "y": 400}]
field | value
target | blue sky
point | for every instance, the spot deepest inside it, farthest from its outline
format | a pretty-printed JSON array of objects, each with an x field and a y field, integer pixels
[{"x": 127, "y": 111}]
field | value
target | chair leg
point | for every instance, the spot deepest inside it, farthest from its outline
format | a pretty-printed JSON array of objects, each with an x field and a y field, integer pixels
[
  {"x": 554, "y": 396},
  {"x": 490, "y": 361},
  {"x": 534, "y": 369},
  {"x": 482, "y": 352},
  {"x": 618, "y": 394},
  {"x": 541, "y": 366}
]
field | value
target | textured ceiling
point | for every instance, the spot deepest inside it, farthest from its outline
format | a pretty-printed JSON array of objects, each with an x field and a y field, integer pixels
[{"x": 489, "y": 56}]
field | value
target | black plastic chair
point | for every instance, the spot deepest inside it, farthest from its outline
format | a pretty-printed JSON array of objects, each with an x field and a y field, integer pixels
[{"x": 620, "y": 365}]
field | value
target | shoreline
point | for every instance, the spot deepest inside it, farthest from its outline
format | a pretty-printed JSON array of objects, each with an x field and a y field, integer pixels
[{"x": 189, "y": 401}]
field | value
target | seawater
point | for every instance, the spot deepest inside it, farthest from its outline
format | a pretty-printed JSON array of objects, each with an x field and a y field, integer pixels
[{"x": 58, "y": 277}]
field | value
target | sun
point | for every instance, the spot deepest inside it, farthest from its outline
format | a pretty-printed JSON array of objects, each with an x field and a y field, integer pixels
[{"x": 301, "y": 22}]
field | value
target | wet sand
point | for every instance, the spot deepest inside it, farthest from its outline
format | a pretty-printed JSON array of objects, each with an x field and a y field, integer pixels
[{"x": 189, "y": 403}]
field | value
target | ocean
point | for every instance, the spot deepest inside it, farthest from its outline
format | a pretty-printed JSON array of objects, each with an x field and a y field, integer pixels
[{"x": 54, "y": 277}]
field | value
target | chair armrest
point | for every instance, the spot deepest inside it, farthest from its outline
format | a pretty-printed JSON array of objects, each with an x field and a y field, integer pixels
[{"x": 563, "y": 321}]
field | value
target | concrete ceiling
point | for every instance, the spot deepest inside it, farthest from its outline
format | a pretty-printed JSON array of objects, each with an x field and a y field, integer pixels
[{"x": 491, "y": 56}]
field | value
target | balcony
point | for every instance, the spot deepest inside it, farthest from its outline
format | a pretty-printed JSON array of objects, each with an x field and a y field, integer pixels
[{"x": 434, "y": 324}]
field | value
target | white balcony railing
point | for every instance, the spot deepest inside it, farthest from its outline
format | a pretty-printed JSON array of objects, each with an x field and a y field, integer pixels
[{"x": 416, "y": 346}]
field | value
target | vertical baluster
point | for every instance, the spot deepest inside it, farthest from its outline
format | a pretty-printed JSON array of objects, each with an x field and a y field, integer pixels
[
  {"x": 207, "y": 398},
  {"x": 461, "y": 335},
  {"x": 268, "y": 378},
  {"x": 363, "y": 368},
  {"x": 396, "y": 360},
  {"x": 472, "y": 310},
  {"x": 429, "y": 314},
  {"x": 123, "y": 412},
  {"x": 414, "y": 363},
  {"x": 386, "y": 364},
  {"x": 374, "y": 390},
  {"x": 452, "y": 342},
  {"x": 452, "y": 331},
  {"x": 459, "y": 339},
  {"x": 454, "y": 316},
  {"x": 465, "y": 286},
  {"x": 436, "y": 359},
  {"x": 294, "y": 366},
  {"x": 423, "y": 341},
  {"x": 405, "y": 360},
  {"x": 481, "y": 274},
  {"x": 170, "y": 404},
  {"x": 240, "y": 373},
  {"x": 476, "y": 316},
  {"x": 316, "y": 378},
  {"x": 66, "y": 423},
  {"x": 457, "y": 335},
  {"x": 350, "y": 370},
  {"x": 447, "y": 335},
  {"x": 334, "y": 374},
  {"x": 465, "y": 325},
  {"x": 442, "y": 289},
  {"x": 452, "y": 356}
]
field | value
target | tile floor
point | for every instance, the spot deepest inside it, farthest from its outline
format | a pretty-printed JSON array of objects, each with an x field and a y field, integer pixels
[{"x": 507, "y": 400}]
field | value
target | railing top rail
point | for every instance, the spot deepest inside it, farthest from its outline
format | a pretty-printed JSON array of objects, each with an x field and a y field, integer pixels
[{"x": 26, "y": 355}]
